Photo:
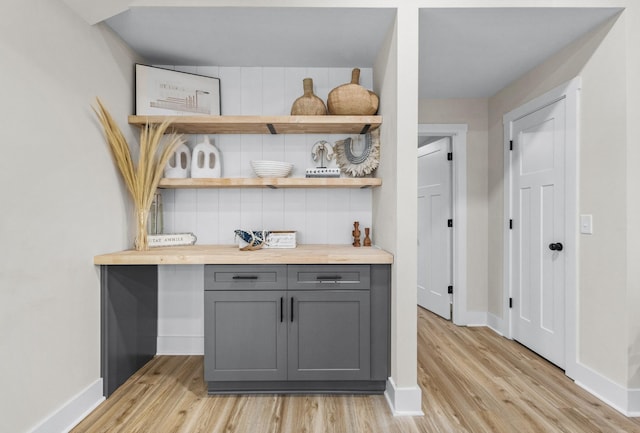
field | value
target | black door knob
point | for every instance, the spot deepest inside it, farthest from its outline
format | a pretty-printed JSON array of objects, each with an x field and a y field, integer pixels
[{"x": 556, "y": 247}]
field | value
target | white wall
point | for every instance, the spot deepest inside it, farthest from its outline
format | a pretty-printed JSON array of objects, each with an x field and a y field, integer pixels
[
  {"x": 395, "y": 203},
  {"x": 320, "y": 216},
  {"x": 474, "y": 113},
  {"x": 602, "y": 326},
  {"x": 62, "y": 203},
  {"x": 633, "y": 192}
]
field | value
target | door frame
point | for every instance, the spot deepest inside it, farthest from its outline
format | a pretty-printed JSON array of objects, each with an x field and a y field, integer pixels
[
  {"x": 570, "y": 92},
  {"x": 458, "y": 135}
]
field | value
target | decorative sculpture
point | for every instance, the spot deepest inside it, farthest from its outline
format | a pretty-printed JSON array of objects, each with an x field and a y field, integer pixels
[
  {"x": 179, "y": 163},
  {"x": 362, "y": 164},
  {"x": 356, "y": 234},
  {"x": 205, "y": 161},
  {"x": 367, "y": 239},
  {"x": 322, "y": 149}
]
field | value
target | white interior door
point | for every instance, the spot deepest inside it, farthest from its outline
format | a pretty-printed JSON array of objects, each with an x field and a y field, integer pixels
[
  {"x": 434, "y": 233},
  {"x": 539, "y": 231}
]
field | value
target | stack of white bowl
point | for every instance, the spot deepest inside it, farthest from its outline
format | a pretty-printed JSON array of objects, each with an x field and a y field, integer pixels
[{"x": 264, "y": 168}]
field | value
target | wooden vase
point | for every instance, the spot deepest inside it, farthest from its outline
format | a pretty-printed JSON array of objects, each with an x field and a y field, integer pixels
[
  {"x": 352, "y": 99},
  {"x": 308, "y": 104}
]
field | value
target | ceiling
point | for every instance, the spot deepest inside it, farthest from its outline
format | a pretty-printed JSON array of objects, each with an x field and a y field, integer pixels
[
  {"x": 474, "y": 53},
  {"x": 270, "y": 36},
  {"x": 464, "y": 53}
]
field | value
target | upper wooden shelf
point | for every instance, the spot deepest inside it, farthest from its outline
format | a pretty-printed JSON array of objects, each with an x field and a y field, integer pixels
[
  {"x": 265, "y": 124},
  {"x": 280, "y": 182}
]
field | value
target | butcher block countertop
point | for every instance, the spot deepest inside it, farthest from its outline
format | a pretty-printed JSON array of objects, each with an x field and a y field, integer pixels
[{"x": 231, "y": 255}]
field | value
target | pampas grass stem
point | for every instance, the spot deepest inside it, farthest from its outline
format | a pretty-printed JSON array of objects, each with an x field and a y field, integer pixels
[{"x": 142, "y": 179}]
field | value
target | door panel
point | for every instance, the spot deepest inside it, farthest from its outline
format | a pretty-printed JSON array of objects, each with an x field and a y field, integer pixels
[
  {"x": 329, "y": 335},
  {"x": 246, "y": 335},
  {"x": 538, "y": 221},
  {"x": 434, "y": 235}
]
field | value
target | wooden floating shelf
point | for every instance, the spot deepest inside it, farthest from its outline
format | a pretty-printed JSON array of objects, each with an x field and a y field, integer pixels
[
  {"x": 264, "y": 124},
  {"x": 281, "y": 182}
]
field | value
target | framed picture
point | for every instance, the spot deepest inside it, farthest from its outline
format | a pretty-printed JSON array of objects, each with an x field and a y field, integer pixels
[{"x": 166, "y": 92}]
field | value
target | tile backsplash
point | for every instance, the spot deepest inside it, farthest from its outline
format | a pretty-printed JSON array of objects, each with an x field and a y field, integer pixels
[{"x": 318, "y": 215}]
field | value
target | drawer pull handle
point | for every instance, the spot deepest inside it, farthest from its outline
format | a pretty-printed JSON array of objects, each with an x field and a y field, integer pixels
[
  {"x": 331, "y": 278},
  {"x": 281, "y": 309},
  {"x": 245, "y": 277},
  {"x": 292, "y": 309}
]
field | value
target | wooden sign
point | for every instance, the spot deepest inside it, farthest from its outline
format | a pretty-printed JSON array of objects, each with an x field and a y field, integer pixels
[{"x": 171, "y": 240}]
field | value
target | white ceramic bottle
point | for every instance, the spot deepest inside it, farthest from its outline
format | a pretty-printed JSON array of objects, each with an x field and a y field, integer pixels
[
  {"x": 205, "y": 160},
  {"x": 179, "y": 163}
]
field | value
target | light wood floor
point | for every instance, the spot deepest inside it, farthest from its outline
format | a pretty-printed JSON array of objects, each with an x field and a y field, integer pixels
[{"x": 473, "y": 381}]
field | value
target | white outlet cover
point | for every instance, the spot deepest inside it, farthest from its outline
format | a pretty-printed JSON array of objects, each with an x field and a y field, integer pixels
[{"x": 586, "y": 224}]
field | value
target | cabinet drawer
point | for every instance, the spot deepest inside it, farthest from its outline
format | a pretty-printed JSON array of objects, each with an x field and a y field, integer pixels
[
  {"x": 245, "y": 277},
  {"x": 325, "y": 277}
]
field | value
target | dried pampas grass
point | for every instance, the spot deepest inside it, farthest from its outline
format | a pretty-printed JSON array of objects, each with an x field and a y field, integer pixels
[{"x": 141, "y": 180}]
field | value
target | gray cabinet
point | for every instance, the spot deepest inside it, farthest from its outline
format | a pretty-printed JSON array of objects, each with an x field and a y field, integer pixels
[
  {"x": 129, "y": 316},
  {"x": 296, "y": 328},
  {"x": 246, "y": 335},
  {"x": 244, "y": 322},
  {"x": 329, "y": 335}
]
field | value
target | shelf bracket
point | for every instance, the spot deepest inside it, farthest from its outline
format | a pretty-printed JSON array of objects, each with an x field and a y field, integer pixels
[
  {"x": 271, "y": 128},
  {"x": 272, "y": 187},
  {"x": 365, "y": 128}
]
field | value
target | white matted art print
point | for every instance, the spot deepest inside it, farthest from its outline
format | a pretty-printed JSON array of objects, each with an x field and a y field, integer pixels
[{"x": 165, "y": 92}]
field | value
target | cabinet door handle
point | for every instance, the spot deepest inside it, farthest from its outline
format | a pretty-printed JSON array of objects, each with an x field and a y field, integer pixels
[
  {"x": 281, "y": 309},
  {"x": 292, "y": 308},
  {"x": 245, "y": 277}
]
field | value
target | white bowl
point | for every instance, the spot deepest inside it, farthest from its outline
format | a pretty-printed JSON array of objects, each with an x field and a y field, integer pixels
[{"x": 264, "y": 168}]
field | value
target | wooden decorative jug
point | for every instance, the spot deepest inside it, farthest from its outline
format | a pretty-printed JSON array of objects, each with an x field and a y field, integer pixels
[
  {"x": 352, "y": 99},
  {"x": 308, "y": 104}
]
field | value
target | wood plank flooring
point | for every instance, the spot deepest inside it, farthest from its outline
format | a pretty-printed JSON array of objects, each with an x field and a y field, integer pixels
[{"x": 473, "y": 381}]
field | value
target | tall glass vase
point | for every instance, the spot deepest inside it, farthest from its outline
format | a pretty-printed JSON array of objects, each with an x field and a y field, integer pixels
[{"x": 141, "y": 243}]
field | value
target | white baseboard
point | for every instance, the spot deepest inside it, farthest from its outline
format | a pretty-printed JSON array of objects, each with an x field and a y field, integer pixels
[
  {"x": 406, "y": 401},
  {"x": 72, "y": 412},
  {"x": 624, "y": 400},
  {"x": 496, "y": 324},
  {"x": 475, "y": 318},
  {"x": 633, "y": 406},
  {"x": 180, "y": 345}
]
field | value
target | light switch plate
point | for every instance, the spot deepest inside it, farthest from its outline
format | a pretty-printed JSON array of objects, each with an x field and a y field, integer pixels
[{"x": 586, "y": 224}]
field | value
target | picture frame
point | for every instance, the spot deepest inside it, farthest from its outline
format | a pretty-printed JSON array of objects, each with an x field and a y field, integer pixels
[{"x": 162, "y": 91}]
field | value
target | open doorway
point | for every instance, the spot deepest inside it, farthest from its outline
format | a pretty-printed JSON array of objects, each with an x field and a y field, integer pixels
[{"x": 443, "y": 146}]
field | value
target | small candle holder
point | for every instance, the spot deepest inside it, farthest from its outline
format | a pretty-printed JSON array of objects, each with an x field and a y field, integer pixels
[
  {"x": 367, "y": 239},
  {"x": 356, "y": 234}
]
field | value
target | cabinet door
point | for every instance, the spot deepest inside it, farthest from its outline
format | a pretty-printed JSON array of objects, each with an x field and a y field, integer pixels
[
  {"x": 329, "y": 335},
  {"x": 245, "y": 335}
]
